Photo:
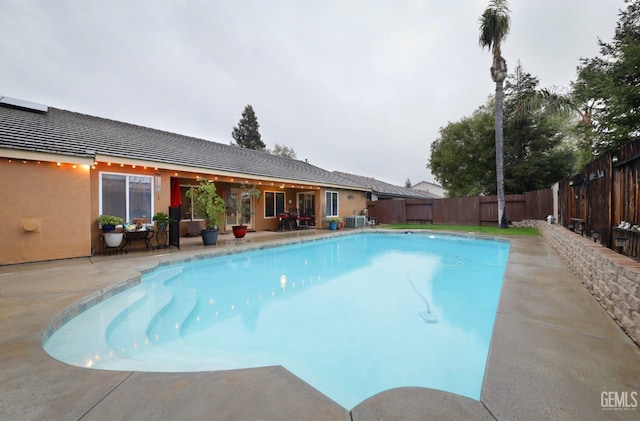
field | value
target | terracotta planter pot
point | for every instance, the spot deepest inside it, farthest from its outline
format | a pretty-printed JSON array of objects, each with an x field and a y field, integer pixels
[{"x": 239, "y": 231}]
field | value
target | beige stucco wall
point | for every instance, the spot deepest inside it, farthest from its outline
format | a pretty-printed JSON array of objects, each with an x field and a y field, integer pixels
[
  {"x": 349, "y": 203},
  {"x": 49, "y": 211},
  {"x": 52, "y": 200}
]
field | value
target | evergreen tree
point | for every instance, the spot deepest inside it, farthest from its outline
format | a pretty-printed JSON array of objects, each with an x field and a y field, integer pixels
[
  {"x": 535, "y": 152},
  {"x": 246, "y": 133}
]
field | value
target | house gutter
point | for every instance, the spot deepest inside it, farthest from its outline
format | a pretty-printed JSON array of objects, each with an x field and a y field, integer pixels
[{"x": 47, "y": 157}]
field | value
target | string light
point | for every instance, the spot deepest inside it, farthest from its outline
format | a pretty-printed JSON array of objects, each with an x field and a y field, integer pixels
[{"x": 95, "y": 164}]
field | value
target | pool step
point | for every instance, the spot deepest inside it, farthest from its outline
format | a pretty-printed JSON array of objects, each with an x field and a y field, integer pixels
[
  {"x": 127, "y": 332},
  {"x": 172, "y": 317},
  {"x": 95, "y": 349}
]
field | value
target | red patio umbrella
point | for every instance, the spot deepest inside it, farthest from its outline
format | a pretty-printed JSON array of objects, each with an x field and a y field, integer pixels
[{"x": 176, "y": 199}]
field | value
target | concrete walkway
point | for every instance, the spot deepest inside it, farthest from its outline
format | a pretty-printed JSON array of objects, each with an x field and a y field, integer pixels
[{"x": 553, "y": 354}]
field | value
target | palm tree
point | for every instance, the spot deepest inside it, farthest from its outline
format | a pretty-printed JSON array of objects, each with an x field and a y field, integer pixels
[{"x": 494, "y": 28}]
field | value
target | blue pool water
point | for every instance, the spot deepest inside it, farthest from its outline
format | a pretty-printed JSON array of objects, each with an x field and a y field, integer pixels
[{"x": 352, "y": 316}]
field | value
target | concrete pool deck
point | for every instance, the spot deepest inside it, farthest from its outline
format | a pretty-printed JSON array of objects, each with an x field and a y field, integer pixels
[{"x": 554, "y": 352}]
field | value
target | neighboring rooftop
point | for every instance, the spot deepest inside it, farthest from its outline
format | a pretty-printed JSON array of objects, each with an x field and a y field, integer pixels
[
  {"x": 24, "y": 105},
  {"x": 435, "y": 189},
  {"x": 385, "y": 190},
  {"x": 54, "y": 131}
]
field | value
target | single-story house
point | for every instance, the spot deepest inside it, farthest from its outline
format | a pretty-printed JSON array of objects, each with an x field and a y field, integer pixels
[
  {"x": 381, "y": 190},
  {"x": 60, "y": 170}
]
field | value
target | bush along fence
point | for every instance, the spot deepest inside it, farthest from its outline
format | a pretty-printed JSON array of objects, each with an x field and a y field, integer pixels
[{"x": 613, "y": 279}]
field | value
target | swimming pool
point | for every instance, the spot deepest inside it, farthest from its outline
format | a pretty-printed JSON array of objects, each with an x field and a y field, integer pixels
[{"x": 352, "y": 316}]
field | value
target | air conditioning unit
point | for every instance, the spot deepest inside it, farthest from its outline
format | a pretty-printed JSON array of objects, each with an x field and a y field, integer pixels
[{"x": 355, "y": 221}]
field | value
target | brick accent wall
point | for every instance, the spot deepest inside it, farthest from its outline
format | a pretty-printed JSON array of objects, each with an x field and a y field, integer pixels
[{"x": 613, "y": 279}]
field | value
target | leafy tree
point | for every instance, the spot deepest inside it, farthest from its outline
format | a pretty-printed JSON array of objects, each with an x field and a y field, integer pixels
[
  {"x": 494, "y": 28},
  {"x": 282, "y": 150},
  {"x": 536, "y": 153},
  {"x": 585, "y": 93},
  {"x": 609, "y": 86},
  {"x": 246, "y": 133},
  {"x": 573, "y": 120},
  {"x": 463, "y": 157}
]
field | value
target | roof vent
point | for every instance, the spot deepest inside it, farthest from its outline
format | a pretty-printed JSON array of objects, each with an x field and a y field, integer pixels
[{"x": 23, "y": 105}]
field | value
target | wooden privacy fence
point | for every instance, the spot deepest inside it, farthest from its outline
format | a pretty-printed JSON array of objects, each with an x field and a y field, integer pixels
[
  {"x": 476, "y": 210},
  {"x": 605, "y": 193}
]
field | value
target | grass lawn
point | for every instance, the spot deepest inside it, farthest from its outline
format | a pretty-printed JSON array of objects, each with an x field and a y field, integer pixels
[{"x": 467, "y": 228}]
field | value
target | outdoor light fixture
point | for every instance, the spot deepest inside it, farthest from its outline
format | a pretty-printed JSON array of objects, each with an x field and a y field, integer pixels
[
  {"x": 595, "y": 234},
  {"x": 158, "y": 178},
  {"x": 620, "y": 242}
]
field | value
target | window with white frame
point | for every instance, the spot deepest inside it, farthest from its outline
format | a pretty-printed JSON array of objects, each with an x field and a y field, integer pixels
[
  {"x": 128, "y": 196},
  {"x": 330, "y": 203},
  {"x": 274, "y": 203}
]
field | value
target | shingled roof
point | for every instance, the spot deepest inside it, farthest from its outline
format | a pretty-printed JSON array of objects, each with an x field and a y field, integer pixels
[
  {"x": 60, "y": 132},
  {"x": 385, "y": 190}
]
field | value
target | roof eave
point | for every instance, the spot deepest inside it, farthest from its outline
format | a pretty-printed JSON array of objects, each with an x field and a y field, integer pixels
[{"x": 67, "y": 158}]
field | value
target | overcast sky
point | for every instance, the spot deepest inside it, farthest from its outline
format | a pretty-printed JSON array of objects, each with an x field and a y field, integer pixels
[{"x": 359, "y": 86}]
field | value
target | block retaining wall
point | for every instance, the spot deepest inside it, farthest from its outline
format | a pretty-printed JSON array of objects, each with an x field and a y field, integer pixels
[{"x": 612, "y": 278}]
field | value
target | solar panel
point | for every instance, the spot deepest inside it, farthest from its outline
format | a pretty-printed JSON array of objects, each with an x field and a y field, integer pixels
[{"x": 25, "y": 105}]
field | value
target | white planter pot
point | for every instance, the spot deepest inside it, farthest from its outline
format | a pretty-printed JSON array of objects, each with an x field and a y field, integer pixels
[{"x": 113, "y": 239}]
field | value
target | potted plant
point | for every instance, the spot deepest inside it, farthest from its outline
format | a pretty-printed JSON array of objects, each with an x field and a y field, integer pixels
[
  {"x": 162, "y": 221},
  {"x": 108, "y": 224},
  {"x": 242, "y": 209},
  {"x": 333, "y": 223},
  {"x": 210, "y": 205}
]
